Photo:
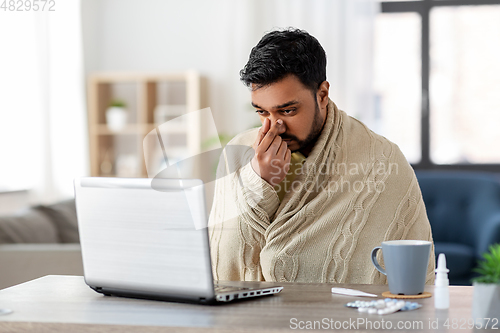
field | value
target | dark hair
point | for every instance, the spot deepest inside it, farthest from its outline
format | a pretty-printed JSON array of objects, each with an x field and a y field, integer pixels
[{"x": 283, "y": 52}]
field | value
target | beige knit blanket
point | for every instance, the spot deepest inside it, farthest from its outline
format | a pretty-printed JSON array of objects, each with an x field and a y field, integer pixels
[{"x": 355, "y": 190}]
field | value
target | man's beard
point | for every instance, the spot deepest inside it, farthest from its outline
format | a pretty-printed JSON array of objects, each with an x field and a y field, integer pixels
[{"x": 313, "y": 135}]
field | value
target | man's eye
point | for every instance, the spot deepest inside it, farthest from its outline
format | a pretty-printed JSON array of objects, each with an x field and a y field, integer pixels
[
  {"x": 260, "y": 112},
  {"x": 288, "y": 111}
]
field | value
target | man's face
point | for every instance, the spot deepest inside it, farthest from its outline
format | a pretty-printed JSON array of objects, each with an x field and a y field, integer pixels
[{"x": 289, "y": 100}]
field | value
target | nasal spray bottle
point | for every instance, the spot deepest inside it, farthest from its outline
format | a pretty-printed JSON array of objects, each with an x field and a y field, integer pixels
[{"x": 441, "y": 289}]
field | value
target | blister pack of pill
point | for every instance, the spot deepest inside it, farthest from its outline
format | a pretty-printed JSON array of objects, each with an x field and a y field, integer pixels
[{"x": 383, "y": 307}]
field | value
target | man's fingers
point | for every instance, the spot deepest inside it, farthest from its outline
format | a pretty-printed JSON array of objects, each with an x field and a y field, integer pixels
[
  {"x": 275, "y": 145},
  {"x": 288, "y": 156},
  {"x": 262, "y": 132},
  {"x": 282, "y": 150},
  {"x": 271, "y": 135},
  {"x": 267, "y": 125}
]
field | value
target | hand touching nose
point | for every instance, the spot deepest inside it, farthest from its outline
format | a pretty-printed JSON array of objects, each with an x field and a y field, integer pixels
[{"x": 272, "y": 156}]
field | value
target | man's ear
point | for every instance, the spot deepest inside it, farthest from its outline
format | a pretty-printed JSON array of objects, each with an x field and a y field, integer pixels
[{"x": 322, "y": 94}]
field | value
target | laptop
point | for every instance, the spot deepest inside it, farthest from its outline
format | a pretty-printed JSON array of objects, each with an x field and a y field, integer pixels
[{"x": 150, "y": 242}]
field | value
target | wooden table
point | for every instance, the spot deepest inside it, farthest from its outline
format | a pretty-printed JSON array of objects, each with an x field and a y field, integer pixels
[{"x": 67, "y": 304}]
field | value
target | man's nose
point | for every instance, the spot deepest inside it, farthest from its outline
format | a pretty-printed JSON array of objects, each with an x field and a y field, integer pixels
[{"x": 280, "y": 127}]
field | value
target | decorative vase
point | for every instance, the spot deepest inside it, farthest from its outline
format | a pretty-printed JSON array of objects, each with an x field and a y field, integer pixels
[
  {"x": 116, "y": 118},
  {"x": 486, "y": 303}
]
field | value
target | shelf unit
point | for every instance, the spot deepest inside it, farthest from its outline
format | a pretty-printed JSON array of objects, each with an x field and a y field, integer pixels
[{"x": 147, "y": 96}]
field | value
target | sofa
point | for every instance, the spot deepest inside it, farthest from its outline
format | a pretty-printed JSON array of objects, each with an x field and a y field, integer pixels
[
  {"x": 39, "y": 241},
  {"x": 464, "y": 213}
]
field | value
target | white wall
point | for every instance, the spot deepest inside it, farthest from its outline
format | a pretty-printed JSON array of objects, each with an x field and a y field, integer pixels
[
  {"x": 173, "y": 35},
  {"x": 216, "y": 36}
]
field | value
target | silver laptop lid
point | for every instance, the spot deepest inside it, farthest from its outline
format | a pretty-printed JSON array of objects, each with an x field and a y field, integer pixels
[{"x": 142, "y": 239}]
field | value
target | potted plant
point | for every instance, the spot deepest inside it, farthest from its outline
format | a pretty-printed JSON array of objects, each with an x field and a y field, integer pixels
[
  {"x": 486, "y": 300},
  {"x": 116, "y": 115}
]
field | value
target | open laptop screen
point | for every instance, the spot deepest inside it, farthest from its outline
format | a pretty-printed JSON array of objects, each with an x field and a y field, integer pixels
[{"x": 137, "y": 238}]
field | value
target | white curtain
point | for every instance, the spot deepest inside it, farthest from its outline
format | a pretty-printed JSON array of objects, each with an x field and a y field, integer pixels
[
  {"x": 343, "y": 27},
  {"x": 43, "y": 129}
]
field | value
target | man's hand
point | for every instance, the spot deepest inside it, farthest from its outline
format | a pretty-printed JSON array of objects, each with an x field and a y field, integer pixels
[{"x": 272, "y": 156}]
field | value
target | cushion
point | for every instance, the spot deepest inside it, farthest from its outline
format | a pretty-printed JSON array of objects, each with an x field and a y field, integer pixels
[
  {"x": 460, "y": 258},
  {"x": 28, "y": 226},
  {"x": 63, "y": 215}
]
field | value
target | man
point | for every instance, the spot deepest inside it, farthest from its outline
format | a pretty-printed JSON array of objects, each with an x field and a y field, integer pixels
[{"x": 318, "y": 190}]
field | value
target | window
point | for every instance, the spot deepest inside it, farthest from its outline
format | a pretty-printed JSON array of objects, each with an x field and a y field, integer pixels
[
  {"x": 437, "y": 78},
  {"x": 397, "y": 80}
]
